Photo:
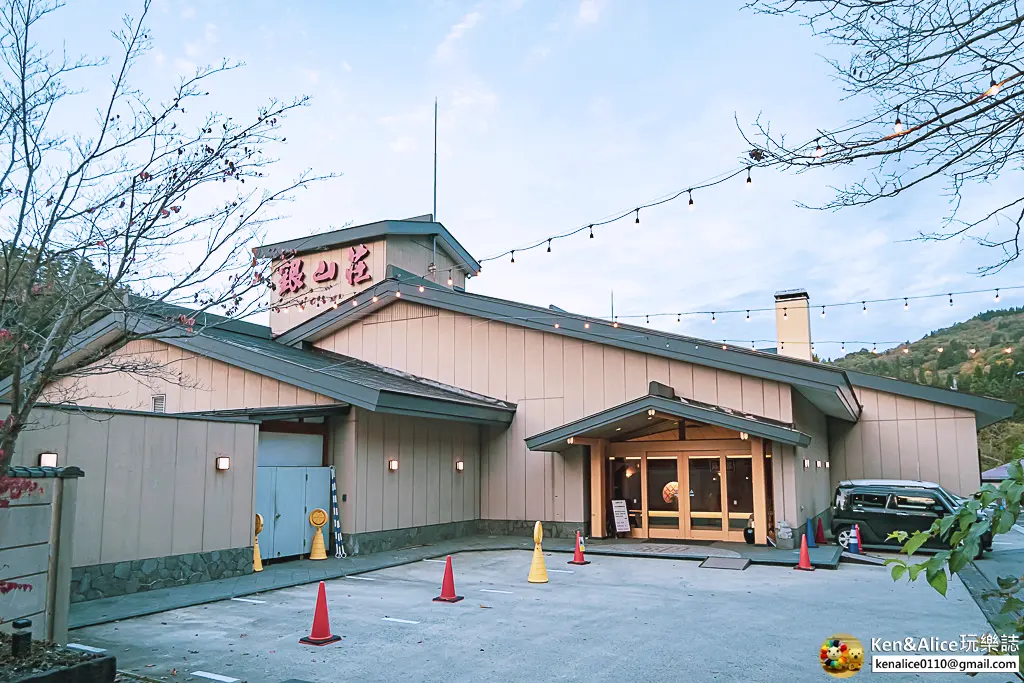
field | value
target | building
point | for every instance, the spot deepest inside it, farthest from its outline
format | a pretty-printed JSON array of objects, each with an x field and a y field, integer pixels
[{"x": 441, "y": 412}]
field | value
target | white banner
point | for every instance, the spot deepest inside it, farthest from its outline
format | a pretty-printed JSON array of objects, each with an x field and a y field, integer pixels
[{"x": 938, "y": 664}]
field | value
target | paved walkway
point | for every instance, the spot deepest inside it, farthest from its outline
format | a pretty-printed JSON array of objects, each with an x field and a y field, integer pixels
[{"x": 300, "y": 572}]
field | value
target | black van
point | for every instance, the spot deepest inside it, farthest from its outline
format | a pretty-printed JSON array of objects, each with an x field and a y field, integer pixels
[{"x": 881, "y": 506}]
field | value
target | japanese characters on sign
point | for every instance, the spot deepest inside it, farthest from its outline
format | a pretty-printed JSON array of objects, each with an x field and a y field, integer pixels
[{"x": 291, "y": 278}]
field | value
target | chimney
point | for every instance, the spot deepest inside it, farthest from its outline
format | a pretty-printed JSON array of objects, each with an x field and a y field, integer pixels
[{"x": 793, "y": 323}]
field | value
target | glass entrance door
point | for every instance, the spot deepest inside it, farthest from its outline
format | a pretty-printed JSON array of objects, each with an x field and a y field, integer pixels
[
  {"x": 662, "y": 483},
  {"x": 705, "y": 495}
]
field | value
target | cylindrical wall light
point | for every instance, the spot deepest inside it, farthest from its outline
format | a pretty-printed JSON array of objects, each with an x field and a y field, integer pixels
[
  {"x": 459, "y": 465},
  {"x": 393, "y": 465},
  {"x": 222, "y": 463}
]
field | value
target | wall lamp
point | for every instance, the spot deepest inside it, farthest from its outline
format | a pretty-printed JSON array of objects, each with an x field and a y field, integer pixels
[
  {"x": 222, "y": 463},
  {"x": 744, "y": 436},
  {"x": 392, "y": 465},
  {"x": 47, "y": 459},
  {"x": 807, "y": 463},
  {"x": 460, "y": 465}
]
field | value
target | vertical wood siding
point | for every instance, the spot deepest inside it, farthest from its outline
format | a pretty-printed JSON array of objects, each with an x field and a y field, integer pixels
[
  {"x": 904, "y": 438},
  {"x": 553, "y": 379},
  {"x": 201, "y": 384},
  {"x": 425, "y": 490},
  {"x": 150, "y": 488}
]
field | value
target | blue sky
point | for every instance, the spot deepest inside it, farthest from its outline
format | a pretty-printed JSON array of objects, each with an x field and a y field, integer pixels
[{"x": 554, "y": 114}]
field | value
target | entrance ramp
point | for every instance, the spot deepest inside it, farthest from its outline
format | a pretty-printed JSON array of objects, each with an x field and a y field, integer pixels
[{"x": 737, "y": 563}]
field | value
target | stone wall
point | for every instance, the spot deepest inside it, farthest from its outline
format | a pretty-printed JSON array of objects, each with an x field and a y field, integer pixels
[
  {"x": 122, "y": 578},
  {"x": 380, "y": 541}
]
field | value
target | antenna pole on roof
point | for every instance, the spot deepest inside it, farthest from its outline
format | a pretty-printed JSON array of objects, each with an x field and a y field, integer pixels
[
  {"x": 613, "y": 305},
  {"x": 435, "y": 160}
]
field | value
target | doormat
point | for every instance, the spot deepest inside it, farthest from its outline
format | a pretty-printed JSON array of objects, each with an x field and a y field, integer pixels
[{"x": 738, "y": 563}]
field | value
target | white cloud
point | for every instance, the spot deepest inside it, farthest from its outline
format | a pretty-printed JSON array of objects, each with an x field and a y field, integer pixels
[
  {"x": 590, "y": 11},
  {"x": 455, "y": 33},
  {"x": 346, "y": 66},
  {"x": 211, "y": 33},
  {"x": 191, "y": 49}
]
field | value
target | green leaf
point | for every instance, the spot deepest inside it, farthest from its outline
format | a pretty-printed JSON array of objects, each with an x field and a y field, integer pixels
[
  {"x": 958, "y": 560},
  {"x": 894, "y": 560},
  {"x": 1007, "y": 582},
  {"x": 958, "y": 537},
  {"x": 897, "y": 536},
  {"x": 1002, "y": 522},
  {"x": 898, "y": 572},
  {"x": 915, "y": 569},
  {"x": 946, "y": 523},
  {"x": 1014, "y": 469},
  {"x": 1012, "y": 605},
  {"x": 937, "y": 580},
  {"x": 915, "y": 542}
]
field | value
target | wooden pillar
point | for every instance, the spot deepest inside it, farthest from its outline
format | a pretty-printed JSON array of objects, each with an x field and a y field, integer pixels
[
  {"x": 598, "y": 484},
  {"x": 760, "y": 512}
]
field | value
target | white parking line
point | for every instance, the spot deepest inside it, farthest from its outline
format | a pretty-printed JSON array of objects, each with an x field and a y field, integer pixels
[
  {"x": 400, "y": 621},
  {"x": 251, "y": 600},
  {"x": 215, "y": 677},
  {"x": 441, "y": 561},
  {"x": 488, "y": 590},
  {"x": 360, "y": 578},
  {"x": 85, "y": 648},
  {"x": 562, "y": 571}
]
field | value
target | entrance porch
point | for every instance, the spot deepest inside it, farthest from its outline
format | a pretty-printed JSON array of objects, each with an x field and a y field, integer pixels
[{"x": 681, "y": 468}]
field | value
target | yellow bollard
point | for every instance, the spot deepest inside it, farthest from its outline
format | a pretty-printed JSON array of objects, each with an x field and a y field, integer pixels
[
  {"x": 318, "y": 518},
  {"x": 257, "y": 561},
  {"x": 538, "y": 570}
]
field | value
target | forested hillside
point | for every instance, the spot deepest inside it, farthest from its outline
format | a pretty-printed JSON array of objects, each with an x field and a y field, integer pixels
[{"x": 979, "y": 356}]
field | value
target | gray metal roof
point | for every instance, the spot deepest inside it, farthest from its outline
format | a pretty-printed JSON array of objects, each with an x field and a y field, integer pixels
[
  {"x": 628, "y": 419},
  {"x": 824, "y": 386},
  {"x": 424, "y": 226}
]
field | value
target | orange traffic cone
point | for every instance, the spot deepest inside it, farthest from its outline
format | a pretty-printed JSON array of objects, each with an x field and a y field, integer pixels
[
  {"x": 321, "y": 631},
  {"x": 577, "y": 556},
  {"x": 448, "y": 584},
  {"x": 860, "y": 546},
  {"x": 819, "y": 534},
  {"x": 805, "y": 557}
]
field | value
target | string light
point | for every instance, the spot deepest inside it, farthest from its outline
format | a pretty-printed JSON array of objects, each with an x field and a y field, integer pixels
[
  {"x": 556, "y": 326},
  {"x": 690, "y": 193},
  {"x": 993, "y": 87},
  {"x": 398, "y": 294},
  {"x": 648, "y": 320},
  {"x": 712, "y": 317},
  {"x": 679, "y": 318},
  {"x": 951, "y": 299},
  {"x": 748, "y": 316},
  {"x": 549, "y": 245},
  {"x": 972, "y": 351},
  {"x": 782, "y": 346},
  {"x": 865, "y": 305},
  {"x": 906, "y": 349},
  {"x": 1008, "y": 349},
  {"x": 785, "y": 314},
  {"x": 906, "y": 304},
  {"x": 285, "y": 310},
  {"x": 586, "y": 326},
  {"x": 335, "y": 305},
  {"x": 898, "y": 127},
  {"x": 822, "y": 311},
  {"x": 638, "y": 216},
  {"x": 940, "y": 349},
  {"x": 513, "y": 256},
  {"x": 354, "y": 302},
  {"x": 375, "y": 298},
  {"x": 421, "y": 288},
  {"x": 749, "y": 181},
  {"x": 450, "y": 280},
  {"x": 843, "y": 347},
  {"x": 818, "y": 151},
  {"x": 591, "y": 232},
  {"x": 997, "y": 296},
  {"x": 615, "y": 324},
  {"x": 874, "y": 349}
]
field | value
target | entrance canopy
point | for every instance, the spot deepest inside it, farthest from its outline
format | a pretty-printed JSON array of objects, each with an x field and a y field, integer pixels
[{"x": 656, "y": 412}]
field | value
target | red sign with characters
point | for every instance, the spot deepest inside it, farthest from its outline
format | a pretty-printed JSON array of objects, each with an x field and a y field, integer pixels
[{"x": 292, "y": 279}]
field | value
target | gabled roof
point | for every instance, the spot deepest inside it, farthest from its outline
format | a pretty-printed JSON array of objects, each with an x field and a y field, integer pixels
[
  {"x": 348, "y": 380},
  {"x": 659, "y": 403},
  {"x": 987, "y": 410},
  {"x": 824, "y": 386},
  {"x": 424, "y": 226}
]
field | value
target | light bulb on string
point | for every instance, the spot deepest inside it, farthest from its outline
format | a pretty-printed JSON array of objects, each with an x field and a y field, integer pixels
[
  {"x": 898, "y": 126},
  {"x": 843, "y": 347},
  {"x": 615, "y": 324},
  {"x": 679, "y": 318},
  {"x": 940, "y": 349},
  {"x": 748, "y": 316},
  {"x": 586, "y": 326},
  {"x": 782, "y": 346},
  {"x": 713, "y": 317},
  {"x": 690, "y": 203},
  {"x": 822, "y": 311},
  {"x": 906, "y": 348},
  {"x": 865, "y": 305},
  {"x": 637, "y": 216},
  {"x": 818, "y": 151},
  {"x": 421, "y": 288},
  {"x": 648, "y": 320},
  {"x": 450, "y": 280},
  {"x": 591, "y": 232},
  {"x": 549, "y": 245},
  {"x": 785, "y": 314},
  {"x": 993, "y": 87},
  {"x": 749, "y": 181},
  {"x": 906, "y": 304},
  {"x": 997, "y": 296},
  {"x": 354, "y": 302},
  {"x": 950, "y": 299},
  {"x": 284, "y": 310},
  {"x": 398, "y": 294},
  {"x": 874, "y": 348},
  {"x": 752, "y": 344},
  {"x": 513, "y": 256}
]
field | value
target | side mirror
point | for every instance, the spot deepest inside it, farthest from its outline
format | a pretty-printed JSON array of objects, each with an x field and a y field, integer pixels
[{"x": 939, "y": 509}]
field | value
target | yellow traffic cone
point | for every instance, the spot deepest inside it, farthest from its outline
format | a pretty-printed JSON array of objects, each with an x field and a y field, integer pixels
[
  {"x": 538, "y": 570},
  {"x": 257, "y": 561},
  {"x": 318, "y": 518}
]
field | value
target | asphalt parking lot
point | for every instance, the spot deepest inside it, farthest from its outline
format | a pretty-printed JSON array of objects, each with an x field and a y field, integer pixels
[{"x": 617, "y": 619}]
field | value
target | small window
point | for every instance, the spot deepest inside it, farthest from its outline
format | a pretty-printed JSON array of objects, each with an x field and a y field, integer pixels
[
  {"x": 914, "y": 503},
  {"x": 868, "y": 500},
  {"x": 159, "y": 403}
]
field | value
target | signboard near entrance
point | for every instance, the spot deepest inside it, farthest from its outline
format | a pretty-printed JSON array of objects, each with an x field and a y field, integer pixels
[{"x": 621, "y": 515}]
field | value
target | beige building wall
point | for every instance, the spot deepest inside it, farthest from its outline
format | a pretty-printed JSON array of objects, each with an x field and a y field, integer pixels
[
  {"x": 553, "y": 379},
  {"x": 426, "y": 489},
  {"x": 288, "y": 313},
  {"x": 189, "y": 383},
  {"x": 809, "y": 494},
  {"x": 415, "y": 253},
  {"x": 905, "y": 438},
  {"x": 150, "y": 488}
]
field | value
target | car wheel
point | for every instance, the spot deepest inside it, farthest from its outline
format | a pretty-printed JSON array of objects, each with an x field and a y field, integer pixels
[{"x": 843, "y": 536}]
